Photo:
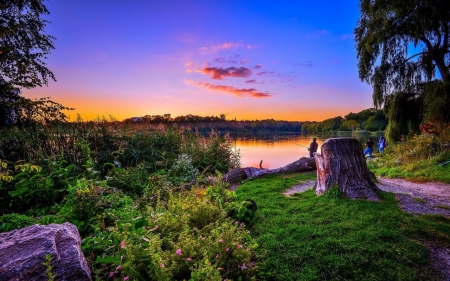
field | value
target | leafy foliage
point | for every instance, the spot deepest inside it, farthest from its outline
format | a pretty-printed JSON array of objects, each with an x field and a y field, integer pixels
[
  {"x": 400, "y": 44},
  {"x": 24, "y": 44}
]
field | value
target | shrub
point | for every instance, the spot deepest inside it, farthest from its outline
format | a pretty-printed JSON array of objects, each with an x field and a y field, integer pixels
[
  {"x": 10, "y": 222},
  {"x": 187, "y": 237}
]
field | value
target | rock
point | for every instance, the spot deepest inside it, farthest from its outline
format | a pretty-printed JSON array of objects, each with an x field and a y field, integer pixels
[{"x": 23, "y": 252}]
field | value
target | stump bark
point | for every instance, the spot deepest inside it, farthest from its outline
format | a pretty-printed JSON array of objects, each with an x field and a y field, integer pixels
[
  {"x": 342, "y": 162},
  {"x": 237, "y": 175}
]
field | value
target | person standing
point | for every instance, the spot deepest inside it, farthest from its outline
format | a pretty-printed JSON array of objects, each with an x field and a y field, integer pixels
[
  {"x": 313, "y": 147},
  {"x": 381, "y": 144},
  {"x": 369, "y": 148}
]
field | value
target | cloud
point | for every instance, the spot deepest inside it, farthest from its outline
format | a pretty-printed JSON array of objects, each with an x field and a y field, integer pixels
[
  {"x": 224, "y": 60},
  {"x": 347, "y": 36},
  {"x": 220, "y": 73},
  {"x": 305, "y": 64},
  {"x": 253, "y": 81},
  {"x": 258, "y": 66},
  {"x": 224, "y": 46},
  {"x": 265, "y": 72},
  {"x": 250, "y": 92},
  {"x": 245, "y": 61},
  {"x": 318, "y": 33}
]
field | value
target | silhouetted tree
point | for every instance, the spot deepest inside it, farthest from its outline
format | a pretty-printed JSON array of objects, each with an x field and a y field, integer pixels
[
  {"x": 24, "y": 45},
  {"x": 401, "y": 47}
]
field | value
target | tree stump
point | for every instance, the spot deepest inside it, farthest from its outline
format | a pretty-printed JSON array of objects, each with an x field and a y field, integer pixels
[
  {"x": 342, "y": 162},
  {"x": 237, "y": 175}
]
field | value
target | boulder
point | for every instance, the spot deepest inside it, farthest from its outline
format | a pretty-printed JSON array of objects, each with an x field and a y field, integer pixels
[{"x": 23, "y": 252}]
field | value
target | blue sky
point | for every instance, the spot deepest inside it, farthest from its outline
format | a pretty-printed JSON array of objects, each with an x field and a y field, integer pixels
[{"x": 287, "y": 60}]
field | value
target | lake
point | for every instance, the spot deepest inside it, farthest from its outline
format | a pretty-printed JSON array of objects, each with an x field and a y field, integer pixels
[{"x": 278, "y": 151}]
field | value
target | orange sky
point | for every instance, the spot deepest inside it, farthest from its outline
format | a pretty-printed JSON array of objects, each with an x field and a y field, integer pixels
[{"x": 252, "y": 60}]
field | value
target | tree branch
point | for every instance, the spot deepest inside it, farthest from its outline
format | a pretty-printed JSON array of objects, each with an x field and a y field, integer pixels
[
  {"x": 445, "y": 46},
  {"x": 427, "y": 42},
  {"x": 414, "y": 56}
]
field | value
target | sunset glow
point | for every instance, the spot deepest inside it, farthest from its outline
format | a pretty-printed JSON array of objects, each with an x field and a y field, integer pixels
[{"x": 286, "y": 60}]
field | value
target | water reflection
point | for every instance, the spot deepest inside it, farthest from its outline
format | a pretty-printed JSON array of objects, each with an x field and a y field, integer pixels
[{"x": 278, "y": 151}]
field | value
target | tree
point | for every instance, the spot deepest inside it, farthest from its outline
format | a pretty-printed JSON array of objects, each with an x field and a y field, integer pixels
[
  {"x": 402, "y": 46},
  {"x": 24, "y": 44},
  {"x": 349, "y": 125},
  {"x": 341, "y": 162}
]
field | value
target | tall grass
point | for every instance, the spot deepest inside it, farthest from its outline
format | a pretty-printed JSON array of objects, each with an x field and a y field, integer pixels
[
  {"x": 126, "y": 155},
  {"x": 420, "y": 158}
]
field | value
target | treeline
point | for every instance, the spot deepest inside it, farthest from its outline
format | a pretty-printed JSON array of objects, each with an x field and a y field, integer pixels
[
  {"x": 220, "y": 124},
  {"x": 368, "y": 119}
]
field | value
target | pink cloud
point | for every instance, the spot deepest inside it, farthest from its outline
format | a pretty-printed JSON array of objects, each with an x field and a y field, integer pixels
[
  {"x": 265, "y": 72},
  {"x": 251, "y": 92},
  {"x": 224, "y": 60},
  {"x": 258, "y": 66},
  {"x": 220, "y": 73}
]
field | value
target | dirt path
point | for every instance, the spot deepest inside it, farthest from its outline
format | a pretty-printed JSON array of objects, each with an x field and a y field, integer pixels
[{"x": 419, "y": 198}]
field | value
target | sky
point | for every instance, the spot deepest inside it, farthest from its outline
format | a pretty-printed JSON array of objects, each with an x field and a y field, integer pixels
[{"x": 286, "y": 60}]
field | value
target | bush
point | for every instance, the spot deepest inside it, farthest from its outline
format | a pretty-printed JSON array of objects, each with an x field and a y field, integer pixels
[
  {"x": 187, "y": 237},
  {"x": 10, "y": 222}
]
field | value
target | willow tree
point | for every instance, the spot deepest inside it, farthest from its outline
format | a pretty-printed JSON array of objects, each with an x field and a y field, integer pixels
[{"x": 403, "y": 48}]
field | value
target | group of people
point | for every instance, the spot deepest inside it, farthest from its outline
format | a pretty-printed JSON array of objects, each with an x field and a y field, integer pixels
[{"x": 382, "y": 143}]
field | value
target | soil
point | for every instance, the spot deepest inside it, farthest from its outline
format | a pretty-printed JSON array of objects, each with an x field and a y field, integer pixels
[{"x": 415, "y": 198}]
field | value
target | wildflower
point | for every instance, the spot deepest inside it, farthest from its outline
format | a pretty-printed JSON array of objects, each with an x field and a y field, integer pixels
[
  {"x": 122, "y": 245},
  {"x": 126, "y": 278},
  {"x": 111, "y": 274},
  {"x": 118, "y": 267},
  {"x": 248, "y": 232},
  {"x": 239, "y": 246},
  {"x": 189, "y": 259},
  {"x": 227, "y": 249},
  {"x": 217, "y": 256},
  {"x": 248, "y": 249},
  {"x": 179, "y": 252},
  {"x": 242, "y": 224},
  {"x": 243, "y": 266},
  {"x": 220, "y": 240},
  {"x": 195, "y": 229},
  {"x": 161, "y": 265},
  {"x": 236, "y": 222}
]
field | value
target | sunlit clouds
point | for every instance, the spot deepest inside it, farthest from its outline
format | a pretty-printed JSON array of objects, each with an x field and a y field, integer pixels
[
  {"x": 220, "y": 73},
  {"x": 252, "y": 59},
  {"x": 250, "y": 92}
]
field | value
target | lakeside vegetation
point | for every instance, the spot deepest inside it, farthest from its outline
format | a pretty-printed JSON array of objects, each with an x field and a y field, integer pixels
[{"x": 130, "y": 192}]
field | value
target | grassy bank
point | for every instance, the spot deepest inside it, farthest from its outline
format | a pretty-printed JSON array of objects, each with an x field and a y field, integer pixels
[
  {"x": 306, "y": 237},
  {"x": 421, "y": 158}
]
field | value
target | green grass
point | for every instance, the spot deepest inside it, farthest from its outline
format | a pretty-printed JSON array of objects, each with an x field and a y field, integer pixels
[
  {"x": 443, "y": 206},
  {"x": 309, "y": 237},
  {"x": 419, "y": 200},
  {"x": 420, "y": 171}
]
